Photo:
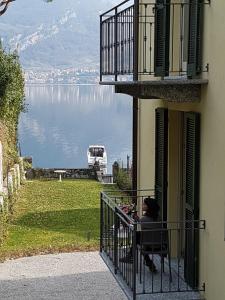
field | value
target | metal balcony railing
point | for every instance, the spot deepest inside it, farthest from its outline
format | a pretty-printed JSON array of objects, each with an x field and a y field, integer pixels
[
  {"x": 174, "y": 257},
  {"x": 152, "y": 38},
  {"x": 117, "y": 40}
]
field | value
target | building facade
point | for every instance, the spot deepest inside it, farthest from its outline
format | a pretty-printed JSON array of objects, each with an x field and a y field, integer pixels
[{"x": 174, "y": 51}]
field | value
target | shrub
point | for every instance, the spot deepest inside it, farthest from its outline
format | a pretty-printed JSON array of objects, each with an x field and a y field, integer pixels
[
  {"x": 123, "y": 180},
  {"x": 12, "y": 103}
]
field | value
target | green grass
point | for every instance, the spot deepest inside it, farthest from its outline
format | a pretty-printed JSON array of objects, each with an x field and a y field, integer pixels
[{"x": 52, "y": 216}]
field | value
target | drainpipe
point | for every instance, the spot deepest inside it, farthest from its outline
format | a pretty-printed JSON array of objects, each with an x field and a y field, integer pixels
[
  {"x": 135, "y": 145},
  {"x": 136, "y": 40},
  {"x": 135, "y": 100}
]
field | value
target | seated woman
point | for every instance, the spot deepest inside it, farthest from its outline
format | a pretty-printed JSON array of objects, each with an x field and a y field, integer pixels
[{"x": 151, "y": 215}]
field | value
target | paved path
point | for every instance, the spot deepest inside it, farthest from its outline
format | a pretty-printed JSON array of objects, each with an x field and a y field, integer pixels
[{"x": 81, "y": 276}]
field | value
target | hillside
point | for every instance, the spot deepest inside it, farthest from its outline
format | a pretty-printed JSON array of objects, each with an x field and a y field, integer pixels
[{"x": 61, "y": 34}]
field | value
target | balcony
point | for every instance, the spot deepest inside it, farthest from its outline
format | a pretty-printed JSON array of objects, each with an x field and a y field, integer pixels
[
  {"x": 176, "y": 274},
  {"x": 152, "y": 49}
]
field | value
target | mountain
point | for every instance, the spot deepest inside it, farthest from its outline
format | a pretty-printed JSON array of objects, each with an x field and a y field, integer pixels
[{"x": 61, "y": 34}]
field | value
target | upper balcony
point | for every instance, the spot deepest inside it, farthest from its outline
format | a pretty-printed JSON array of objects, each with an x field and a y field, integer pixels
[{"x": 152, "y": 49}]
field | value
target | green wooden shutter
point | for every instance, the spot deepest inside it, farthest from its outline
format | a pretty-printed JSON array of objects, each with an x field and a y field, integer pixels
[
  {"x": 194, "y": 66},
  {"x": 161, "y": 159},
  {"x": 162, "y": 37},
  {"x": 191, "y": 184}
]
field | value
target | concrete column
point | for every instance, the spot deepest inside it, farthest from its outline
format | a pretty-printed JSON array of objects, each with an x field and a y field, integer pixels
[
  {"x": 10, "y": 183},
  {"x": 17, "y": 174},
  {"x": 22, "y": 172},
  {"x": 14, "y": 179}
]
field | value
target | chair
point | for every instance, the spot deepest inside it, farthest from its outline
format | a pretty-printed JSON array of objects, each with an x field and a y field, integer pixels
[{"x": 155, "y": 241}]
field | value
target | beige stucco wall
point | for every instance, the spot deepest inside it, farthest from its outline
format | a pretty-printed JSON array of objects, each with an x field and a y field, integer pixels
[
  {"x": 146, "y": 142},
  {"x": 212, "y": 171}
]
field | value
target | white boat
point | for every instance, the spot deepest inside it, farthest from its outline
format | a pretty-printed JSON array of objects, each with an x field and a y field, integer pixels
[{"x": 97, "y": 156}]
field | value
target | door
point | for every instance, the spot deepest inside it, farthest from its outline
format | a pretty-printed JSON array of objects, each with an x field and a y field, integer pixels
[{"x": 189, "y": 182}]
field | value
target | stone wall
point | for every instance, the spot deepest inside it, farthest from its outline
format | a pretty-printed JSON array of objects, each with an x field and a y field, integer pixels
[
  {"x": 41, "y": 173},
  {"x": 13, "y": 179},
  {"x": 9, "y": 185}
]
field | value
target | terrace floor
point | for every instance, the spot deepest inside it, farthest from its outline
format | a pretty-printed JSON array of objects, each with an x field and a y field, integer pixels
[{"x": 153, "y": 281}]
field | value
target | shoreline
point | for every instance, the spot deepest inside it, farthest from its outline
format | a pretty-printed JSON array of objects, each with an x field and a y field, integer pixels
[{"x": 60, "y": 84}]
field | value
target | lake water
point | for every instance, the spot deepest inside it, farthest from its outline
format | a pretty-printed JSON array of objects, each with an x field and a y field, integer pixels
[{"x": 62, "y": 121}]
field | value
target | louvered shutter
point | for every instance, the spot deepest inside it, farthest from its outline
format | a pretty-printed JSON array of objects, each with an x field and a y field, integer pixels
[
  {"x": 191, "y": 184},
  {"x": 161, "y": 159},
  {"x": 194, "y": 66},
  {"x": 162, "y": 37}
]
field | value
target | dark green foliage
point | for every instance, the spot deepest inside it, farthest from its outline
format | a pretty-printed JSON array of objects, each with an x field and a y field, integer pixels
[
  {"x": 11, "y": 105},
  {"x": 123, "y": 180},
  {"x": 11, "y": 88}
]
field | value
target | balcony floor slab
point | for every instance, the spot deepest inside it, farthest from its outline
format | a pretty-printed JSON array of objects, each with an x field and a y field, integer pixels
[{"x": 173, "y": 90}]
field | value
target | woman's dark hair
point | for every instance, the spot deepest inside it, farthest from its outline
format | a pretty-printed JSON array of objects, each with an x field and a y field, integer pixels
[{"x": 152, "y": 208}]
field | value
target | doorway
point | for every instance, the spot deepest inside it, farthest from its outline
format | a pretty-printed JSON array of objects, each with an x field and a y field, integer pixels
[{"x": 183, "y": 188}]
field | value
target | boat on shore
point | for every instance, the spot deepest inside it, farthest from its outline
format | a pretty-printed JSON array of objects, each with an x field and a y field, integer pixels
[{"x": 97, "y": 157}]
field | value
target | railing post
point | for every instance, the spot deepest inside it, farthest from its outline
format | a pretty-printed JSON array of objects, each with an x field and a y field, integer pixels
[
  {"x": 115, "y": 43},
  {"x": 101, "y": 48},
  {"x": 101, "y": 222},
  {"x": 116, "y": 228},
  {"x": 136, "y": 39},
  {"x": 135, "y": 100},
  {"x": 135, "y": 148},
  {"x": 134, "y": 259}
]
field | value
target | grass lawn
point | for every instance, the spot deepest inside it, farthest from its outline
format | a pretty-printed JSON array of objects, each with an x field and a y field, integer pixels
[{"x": 52, "y": 216}]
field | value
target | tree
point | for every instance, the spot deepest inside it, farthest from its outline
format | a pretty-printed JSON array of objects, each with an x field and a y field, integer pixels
[{"x": 4, "y": 4}]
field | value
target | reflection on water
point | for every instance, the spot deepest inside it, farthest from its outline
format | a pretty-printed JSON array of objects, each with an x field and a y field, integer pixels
[{"x": 62, "y": 121}]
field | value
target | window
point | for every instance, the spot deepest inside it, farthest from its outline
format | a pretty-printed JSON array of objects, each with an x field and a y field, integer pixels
[{"x": 96, "y": 151}]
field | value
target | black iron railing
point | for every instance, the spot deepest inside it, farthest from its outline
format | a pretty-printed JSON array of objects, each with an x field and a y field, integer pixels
[
  {"x": 151, "y": 39},
  {"x": 123, "y": 248},
  {"x": 117, "y": 41}
]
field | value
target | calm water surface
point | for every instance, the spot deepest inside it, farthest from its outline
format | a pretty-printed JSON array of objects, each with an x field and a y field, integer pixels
[{"x": 62, "y": 121}]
